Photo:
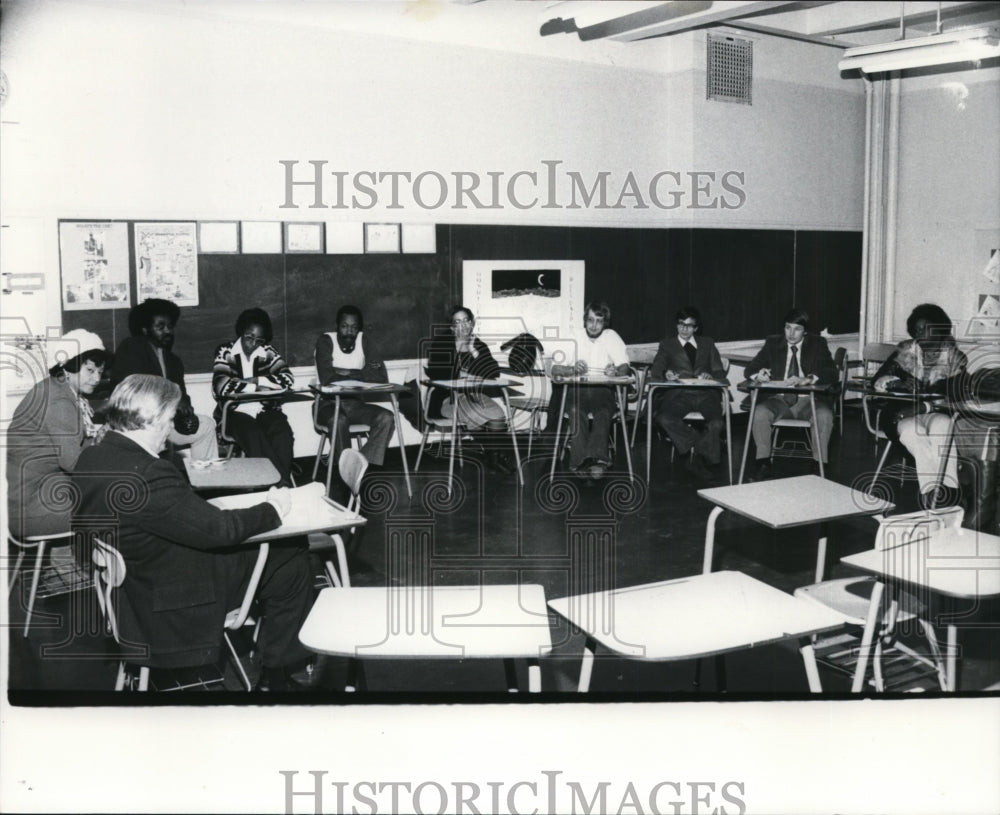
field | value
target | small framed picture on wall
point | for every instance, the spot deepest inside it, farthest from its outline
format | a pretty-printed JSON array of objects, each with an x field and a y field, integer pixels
[{"x": 382, "y": 238}]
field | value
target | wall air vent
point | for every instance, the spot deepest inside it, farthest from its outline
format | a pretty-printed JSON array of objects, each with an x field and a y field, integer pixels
[{"x": 729, "y": 76}]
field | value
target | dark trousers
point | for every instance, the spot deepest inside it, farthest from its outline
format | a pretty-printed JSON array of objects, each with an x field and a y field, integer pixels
[
  {"x": 354, "y": 411},
  {"x": 266, "y": 435},
  {"x": 672, "y": 406},
  {"x": 285, "y": 594},
  {"x": 590, "y": 435}
]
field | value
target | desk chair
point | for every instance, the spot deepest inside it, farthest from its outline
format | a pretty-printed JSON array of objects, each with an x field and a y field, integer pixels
[
  {"x": 697, "y": 416},
  {"x": 39, "y": 544},
  {"x": 442, "y": 425},
  {"x": 352, "y": 469},
  {"x": 327, "y": 433},
  {"x": 109, "y": 567},
  {"x": 535, "y": 404},
  {"x": 861, "y": 600},
  {"x": 109, "y": 573}
]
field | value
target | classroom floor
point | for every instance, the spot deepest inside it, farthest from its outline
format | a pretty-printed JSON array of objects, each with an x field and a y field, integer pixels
[{"x": 493, "y": 531}]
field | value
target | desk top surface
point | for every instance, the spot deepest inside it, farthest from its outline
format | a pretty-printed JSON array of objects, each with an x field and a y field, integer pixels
[
  {"x": 786, "y": 502},
  {"x": 781, "y": 386},
  {"x": 231, "y": 474},
  {"x": 593, "y": 379},
  {"x": 268, "y": 395},
  {"x": 959, "y": 563},
  {"x": 507, "y": 621},
  {"x": 474, "y": 382},
  {"x": 311, "y": 511},
  {"x": 693, "y": 617},
  {"x": 355, "y": 388},
  {"x": 686, "y": 383}
]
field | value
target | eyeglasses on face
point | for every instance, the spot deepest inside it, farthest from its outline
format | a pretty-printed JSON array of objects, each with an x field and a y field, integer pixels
[{"x": 683, "y": 324}]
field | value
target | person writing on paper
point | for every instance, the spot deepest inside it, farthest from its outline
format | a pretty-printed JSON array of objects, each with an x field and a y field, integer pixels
[
  {"x": 249, "y": 364},
  {"x": 598, "y": 350},
  {"x": 149, "y": 350},
  {"x": 927, "y": 363},
  {"x": 795, "y": 357},
  {"x": 350, "y": 355},
  {"x": 51, "y": 425},
  {"x": 185, "y": 567},
  {"x": 687, "y": 356},
  {"x": 461, "y": 354}
]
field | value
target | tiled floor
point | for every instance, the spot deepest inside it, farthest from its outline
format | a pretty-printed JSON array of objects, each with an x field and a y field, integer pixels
[{"x": 494, "y": 531}]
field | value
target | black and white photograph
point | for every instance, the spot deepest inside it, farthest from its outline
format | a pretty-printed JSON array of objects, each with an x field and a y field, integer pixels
[{"x": 500, "y": 406}]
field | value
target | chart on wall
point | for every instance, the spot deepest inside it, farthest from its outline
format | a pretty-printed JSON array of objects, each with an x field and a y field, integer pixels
[
  {"x": 93, "y": 257},
  {"x": 986, "y": 306},
  {"x": 508, "y": 297},
  {"x": 166, "y": 262}
]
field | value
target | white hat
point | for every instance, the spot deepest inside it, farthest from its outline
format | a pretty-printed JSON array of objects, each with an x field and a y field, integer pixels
[{"x": 70, "y": 345}]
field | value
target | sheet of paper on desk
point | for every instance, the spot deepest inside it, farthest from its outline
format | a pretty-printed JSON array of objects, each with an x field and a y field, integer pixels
[
  {"x": 308, "y": 507},
  {"x": 778, "y": 383},
  {"x": 355, "y": 384}
]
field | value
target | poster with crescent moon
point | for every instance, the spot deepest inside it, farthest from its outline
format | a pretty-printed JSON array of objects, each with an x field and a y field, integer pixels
[{"x": 508, "y": 297}]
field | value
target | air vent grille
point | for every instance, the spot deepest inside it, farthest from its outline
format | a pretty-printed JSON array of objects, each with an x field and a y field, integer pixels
[{"x": 730, "y": 70}]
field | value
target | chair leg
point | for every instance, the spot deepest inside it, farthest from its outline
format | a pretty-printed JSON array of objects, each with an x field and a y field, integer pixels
[
  {"x": 867, "y": 637},
  {"x": 932, "y": 642},
  {"x": 34, "y": 585},
  {"x": 319, "y": 456},
  {"x": 120, "y": 679},
  {"x": 878, "y": 469},
  {"x": 236, "y": 661},
  {"x": 16, "y": 571},
  {"x": 420, "y": 452},
  {"x": 144, "y": 678}
]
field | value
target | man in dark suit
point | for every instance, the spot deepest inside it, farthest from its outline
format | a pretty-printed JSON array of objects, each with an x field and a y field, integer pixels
[
  {"x": 184, "y": 566},
  {"x": 149, "y": 351},
  {"x": 687, "y": 356},
  {"x": 797, "y": 357}
]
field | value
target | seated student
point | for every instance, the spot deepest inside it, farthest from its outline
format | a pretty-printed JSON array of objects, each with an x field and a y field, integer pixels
[
  {"x": 928, "y": 363},
  {"x": 148, "y": 351},
  {"x": 185, "y": 568},
  {"x": 686, "y": 356},
  {"x": 50, "y": 427},
  {"x": 796, "y": 357},
  {"x": 244, "y": 365},
  {"x": 464, "y": 354},
  {"x": 349, "y": 353},
  {"x": 598, "y": 349}
]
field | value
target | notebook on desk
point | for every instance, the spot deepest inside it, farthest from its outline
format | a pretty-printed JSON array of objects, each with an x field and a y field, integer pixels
[{"x": 311, "y": 510}]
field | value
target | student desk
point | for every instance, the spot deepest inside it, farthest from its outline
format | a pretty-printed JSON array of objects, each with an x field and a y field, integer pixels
[
  {"x": 960, "y": 564},
  {"x": 695, "y": 617},
  {"x": 424, "y": 622},
  {"x": 467, "y": 384},
  {"x": 619, "y": 383},
  {"x": 312, "y": 511},
  {"x": 775, "y": 388},
  {"x": 783, "y": 503},
  {"x": 365, "y": 391},
  {"x": 723, "y": 387},
  {"x": 231, "y": 400},
  {"x": 231, "y": 474}
]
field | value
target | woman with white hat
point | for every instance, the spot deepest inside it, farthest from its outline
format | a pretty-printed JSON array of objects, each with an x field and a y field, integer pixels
[{"x": 50, "y": 427}]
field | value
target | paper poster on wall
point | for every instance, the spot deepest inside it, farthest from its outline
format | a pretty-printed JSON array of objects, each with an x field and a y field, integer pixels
[
  {"x": 543, "y": 297},
  {"x": 166, "y": 262},
  {"x": 992, "y": 270},
  {"x": 93, "y": 258}
]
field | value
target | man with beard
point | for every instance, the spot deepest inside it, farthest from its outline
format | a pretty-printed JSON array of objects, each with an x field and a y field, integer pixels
[
  {"x": 148, "y": 351},
  {"x": 349, "y": 354}
]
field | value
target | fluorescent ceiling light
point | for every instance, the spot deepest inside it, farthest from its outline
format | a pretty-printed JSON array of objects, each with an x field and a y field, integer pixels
[{"x": 967, "y": 45}]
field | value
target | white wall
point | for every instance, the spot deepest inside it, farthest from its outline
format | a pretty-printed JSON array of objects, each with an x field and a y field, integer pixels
[
  {"x": 949, "y": 193},
  {"x": 162, "y": 110}
]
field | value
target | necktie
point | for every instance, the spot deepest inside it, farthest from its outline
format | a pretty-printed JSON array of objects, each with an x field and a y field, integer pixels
[
  {"x": 793, "y": 370},
  {"x": 689, "y": 349}
]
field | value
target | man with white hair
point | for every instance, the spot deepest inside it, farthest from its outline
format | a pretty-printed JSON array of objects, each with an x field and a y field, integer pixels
[{"x": 185, "y": 567}]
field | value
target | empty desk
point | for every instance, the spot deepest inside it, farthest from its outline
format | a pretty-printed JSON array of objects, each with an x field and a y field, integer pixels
[{"x": 694, "y": 617}]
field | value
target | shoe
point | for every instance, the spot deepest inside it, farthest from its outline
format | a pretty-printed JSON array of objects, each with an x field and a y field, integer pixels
[
  {"x": 504, "y": 463},
  {"x": 696, "y": 466},
  {"x": 761, "y": 470},
  {"x": 596, "y": 471},
  {"x": 278, "y": 680},
  {"x": 946, "y": 497}
]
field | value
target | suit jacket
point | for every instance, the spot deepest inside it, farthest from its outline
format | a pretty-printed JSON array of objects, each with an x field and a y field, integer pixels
[
  {"x": 179, "y": 550},
  {"x": 135, "y": 355},
  {"x": 671, "y": 356},
  {"x": 814, "y": 359}
]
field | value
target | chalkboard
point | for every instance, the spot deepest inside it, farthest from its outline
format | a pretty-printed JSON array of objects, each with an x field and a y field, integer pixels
[{"x": 742, "y": 280}]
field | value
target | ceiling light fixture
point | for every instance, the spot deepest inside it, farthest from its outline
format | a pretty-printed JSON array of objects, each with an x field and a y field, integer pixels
[{"x": 946, "y": 48}]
